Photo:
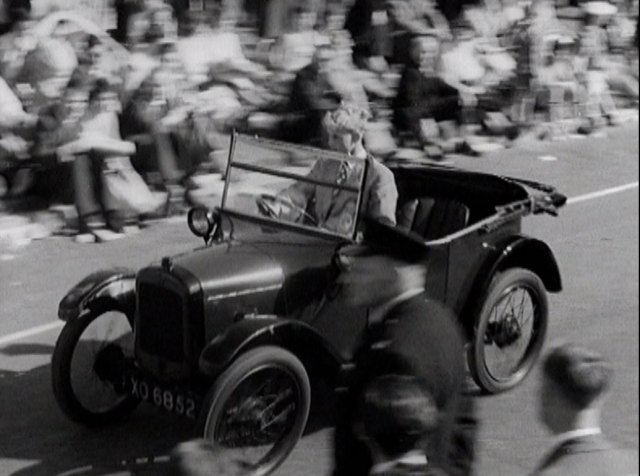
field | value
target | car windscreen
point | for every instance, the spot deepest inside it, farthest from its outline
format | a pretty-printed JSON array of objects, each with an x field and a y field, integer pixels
[{"x": 293, "y": 186}]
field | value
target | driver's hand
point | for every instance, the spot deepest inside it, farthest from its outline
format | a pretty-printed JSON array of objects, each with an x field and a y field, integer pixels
[{"x": 277, "y": 208}]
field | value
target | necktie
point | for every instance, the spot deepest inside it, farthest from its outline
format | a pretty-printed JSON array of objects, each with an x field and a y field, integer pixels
[{"x": 343, "y": 174}]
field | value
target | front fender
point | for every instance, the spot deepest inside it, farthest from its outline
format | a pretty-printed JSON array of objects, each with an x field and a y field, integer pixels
[
  {"x": 116, "y": 285},
  {"x": 299, "y": 338}
]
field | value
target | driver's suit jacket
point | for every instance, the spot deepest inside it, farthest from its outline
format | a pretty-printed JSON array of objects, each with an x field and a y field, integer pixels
[{"x": 336, "y": 210}]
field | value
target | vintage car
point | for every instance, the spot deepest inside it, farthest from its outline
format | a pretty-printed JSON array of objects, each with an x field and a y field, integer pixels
[{"x": 237, "y": 334}]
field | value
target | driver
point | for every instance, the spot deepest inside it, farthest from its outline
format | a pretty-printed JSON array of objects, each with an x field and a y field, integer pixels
[{"x": 335, "y": 209}]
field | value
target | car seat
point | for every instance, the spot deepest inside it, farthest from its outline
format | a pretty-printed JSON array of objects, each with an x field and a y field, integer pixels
[{"x": 433, "y": 218}]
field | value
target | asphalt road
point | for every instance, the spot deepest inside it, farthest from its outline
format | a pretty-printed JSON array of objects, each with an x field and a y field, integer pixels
[{"x": 595, "y": 240}]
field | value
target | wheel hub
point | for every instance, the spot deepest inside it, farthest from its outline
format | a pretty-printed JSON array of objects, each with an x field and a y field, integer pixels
[
  {"x": 109, "y": 365},
  {"x": 503, "y": 333},
  {"x": 258, "y": 420}
]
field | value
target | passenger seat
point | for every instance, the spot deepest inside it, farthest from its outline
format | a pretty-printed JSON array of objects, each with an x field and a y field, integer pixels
[{"x": 433, "y": 218}]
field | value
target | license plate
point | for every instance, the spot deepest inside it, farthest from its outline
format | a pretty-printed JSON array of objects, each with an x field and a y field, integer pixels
[{"x": 173, "y": 400}]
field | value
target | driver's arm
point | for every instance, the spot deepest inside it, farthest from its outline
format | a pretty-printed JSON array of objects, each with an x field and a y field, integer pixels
[
  {"x": 300, "y": 192},
  {"x": 383, "y": 197}
]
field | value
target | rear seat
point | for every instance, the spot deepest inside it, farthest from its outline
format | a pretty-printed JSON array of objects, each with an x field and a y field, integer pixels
[{"x": 433, "y": 218}]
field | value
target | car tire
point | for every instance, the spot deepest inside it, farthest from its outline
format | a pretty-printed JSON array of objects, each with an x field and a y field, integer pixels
[
  {"x": 68, "y": 356},
  {"x": 263, "y": 364},
  {"x": 498, "y": 333}
]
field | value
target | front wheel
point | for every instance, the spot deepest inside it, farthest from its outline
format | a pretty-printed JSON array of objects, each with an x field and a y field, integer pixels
[
  {"x": 509, "y": 330},
  {"x": 258, "y": 408},
  {"x": 88, "y": 367}
]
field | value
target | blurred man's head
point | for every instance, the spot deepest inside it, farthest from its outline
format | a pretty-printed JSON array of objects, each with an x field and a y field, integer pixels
[
  {"x": 323, "y": 56},
  {"x": 574, "y": 383},
  {"x": 49, "y": 67},
  {"x": 304, "y": 18},
  {"x": 397, "y": 415},
  {"x": 76, "y": 97},
  {"x": 344, "y": 128},
  {"x": 425, "y": 52}
]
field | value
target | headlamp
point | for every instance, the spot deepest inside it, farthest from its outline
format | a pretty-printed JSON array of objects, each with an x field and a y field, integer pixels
[{"x": 200, "y": 221}]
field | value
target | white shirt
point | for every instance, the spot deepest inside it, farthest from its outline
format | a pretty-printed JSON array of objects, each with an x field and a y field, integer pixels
[
  {"x": 412, "y": 458},
  {"x": 561, "y": 438}
]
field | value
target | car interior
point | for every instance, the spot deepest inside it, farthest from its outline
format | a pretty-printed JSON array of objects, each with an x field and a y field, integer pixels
[
  {"x": 438, "y": 202},
  {"x": 433, "y": 218}
]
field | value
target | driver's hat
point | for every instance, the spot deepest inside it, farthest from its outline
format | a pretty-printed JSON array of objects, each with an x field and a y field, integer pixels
[{"x": 382, "y": 238}]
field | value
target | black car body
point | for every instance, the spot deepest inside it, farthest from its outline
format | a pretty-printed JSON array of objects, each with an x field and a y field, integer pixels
[{"x": 263, "y": 283}]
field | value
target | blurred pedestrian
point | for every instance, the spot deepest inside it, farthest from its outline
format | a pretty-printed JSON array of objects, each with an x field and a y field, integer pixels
[
  {"x": 424, "y": 97},
  {"x": 575, "y": 381},
  {"x": 397, "y": 417},
  {"x": 409, "y": 334},
  {"x": 17, "y": 41},
  {"x": 45, "y": 73},
  {"x": 294, "y": 50},
  {"x": 368, "y": 23},
  {"x": 312, "y": 95},
  {"x": 408, "y": 18},
  {"x": 559, "y": 80}
]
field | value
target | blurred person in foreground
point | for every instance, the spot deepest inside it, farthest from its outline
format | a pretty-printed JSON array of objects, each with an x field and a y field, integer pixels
[
  {"x": 575, "y": 381},
  {"x": 409, "y": 334},
  {"x": 398, "y": 416},
  {"x": 200, "y": 457},
  {"x": 334, "y": 209}
]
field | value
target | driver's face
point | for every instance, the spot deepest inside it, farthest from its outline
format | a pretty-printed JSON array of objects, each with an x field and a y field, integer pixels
[{"x": 341, "y": 142}]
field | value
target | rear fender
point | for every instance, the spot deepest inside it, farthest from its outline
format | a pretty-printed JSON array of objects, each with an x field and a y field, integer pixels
[
  {"x": 517, "y": 252},
  {"x": 114, "y": 286},
  {"x": 534, "y": 255},
  {"x": 299, "y": 338}
]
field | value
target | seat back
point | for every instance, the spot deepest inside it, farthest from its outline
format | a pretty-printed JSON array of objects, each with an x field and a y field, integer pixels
[{"x": 433, "y": 218}]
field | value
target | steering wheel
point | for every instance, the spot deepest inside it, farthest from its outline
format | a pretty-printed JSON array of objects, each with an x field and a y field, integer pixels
[{"x": 266, "y": 202}]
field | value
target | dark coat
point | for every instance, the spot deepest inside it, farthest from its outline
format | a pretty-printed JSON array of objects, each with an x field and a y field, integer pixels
[
  {"x": 422, "y": 339},
  {"x": 371, "y": 36},
  {"x": 423, "y": 97},
  {"x": 312, "y": 95},
  {"x": 590, "y": 455}
]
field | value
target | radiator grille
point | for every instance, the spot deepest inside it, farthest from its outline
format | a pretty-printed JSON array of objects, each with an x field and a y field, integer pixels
[{"x": 161, "y": 312}]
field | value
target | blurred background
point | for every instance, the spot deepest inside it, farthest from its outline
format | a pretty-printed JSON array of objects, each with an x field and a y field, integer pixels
[{"x": 117, "y": 112}]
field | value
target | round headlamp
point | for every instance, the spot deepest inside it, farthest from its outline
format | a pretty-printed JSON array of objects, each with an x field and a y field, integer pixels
[{"x": 200, "y": 221}]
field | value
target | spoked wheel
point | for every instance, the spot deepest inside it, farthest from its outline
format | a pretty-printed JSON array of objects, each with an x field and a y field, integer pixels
[
  {"x": 509, "y": 330},
  {"x": 88, "y": 368},
  {"x": 258, "y": 408}
]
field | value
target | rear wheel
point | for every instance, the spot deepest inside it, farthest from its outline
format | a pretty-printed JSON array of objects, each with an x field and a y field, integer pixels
[
  {"x": 88, "y": 368},
  {"x": 509, "y": 331},
  {"x": 257, "y": 409}
]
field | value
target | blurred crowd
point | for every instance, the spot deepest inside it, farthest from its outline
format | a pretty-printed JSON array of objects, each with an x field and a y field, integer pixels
[{"x": 103, "y": 120}]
